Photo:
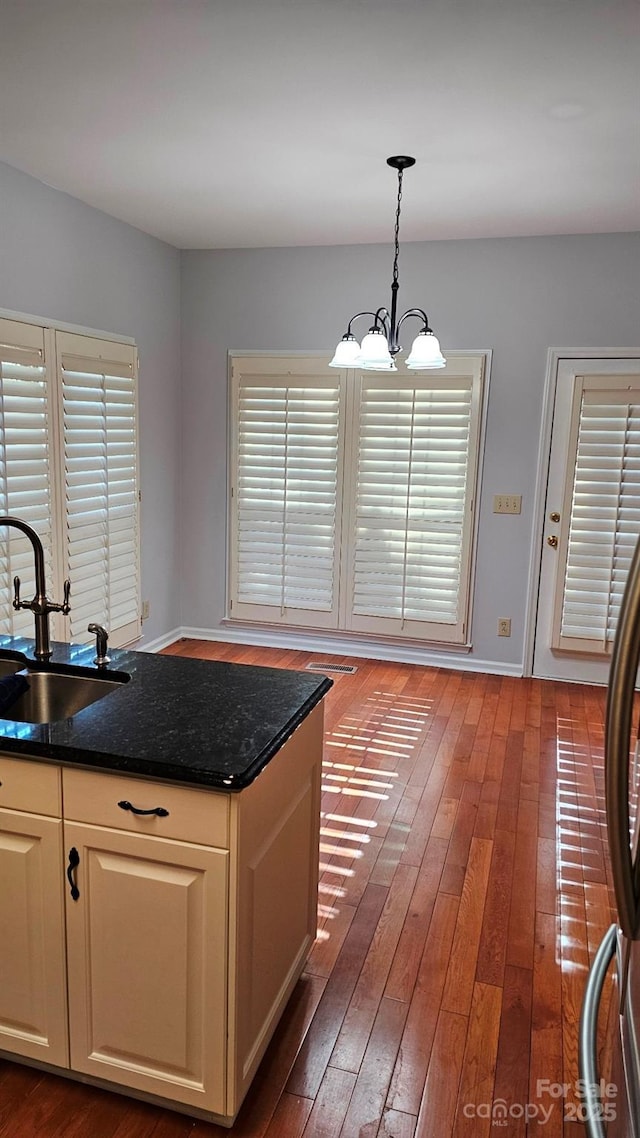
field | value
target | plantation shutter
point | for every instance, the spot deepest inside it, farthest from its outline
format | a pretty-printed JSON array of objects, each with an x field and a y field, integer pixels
[
  {"x": 98, "y": 380},
  {"x": 286, "y": 492},
  {"x": 412, "y": 529},
  {"x": 601, "y": 512},
  {"x": 25, "y": 465}
]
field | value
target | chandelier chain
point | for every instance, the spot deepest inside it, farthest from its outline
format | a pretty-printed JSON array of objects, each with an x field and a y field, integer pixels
[{"x": 397, "y": 229}]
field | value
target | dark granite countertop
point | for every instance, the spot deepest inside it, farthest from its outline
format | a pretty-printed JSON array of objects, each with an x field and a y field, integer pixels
[{"x": 201, "y": 722}]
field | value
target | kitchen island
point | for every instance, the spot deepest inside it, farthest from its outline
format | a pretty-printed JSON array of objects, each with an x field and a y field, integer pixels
[{"x": 158, "y": 873}]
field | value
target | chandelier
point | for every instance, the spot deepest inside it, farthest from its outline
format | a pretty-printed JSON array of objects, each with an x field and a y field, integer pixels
[{"x": 382, "y": 342}]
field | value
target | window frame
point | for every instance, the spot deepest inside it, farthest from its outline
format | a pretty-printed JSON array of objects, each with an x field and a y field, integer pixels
[
  {"x": 346, "y": 627},
  {"x": 57, "y": 561}
]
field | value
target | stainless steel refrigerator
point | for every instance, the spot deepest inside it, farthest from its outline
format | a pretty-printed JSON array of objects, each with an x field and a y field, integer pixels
[{"x": 611, "y": 1092}]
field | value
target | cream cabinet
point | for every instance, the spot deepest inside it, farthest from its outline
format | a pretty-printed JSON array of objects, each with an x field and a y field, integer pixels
[
  {"x": 146, "y": 951},
  {"x": 188, "y": 914},
  {"x": 33, "y": 1011}
]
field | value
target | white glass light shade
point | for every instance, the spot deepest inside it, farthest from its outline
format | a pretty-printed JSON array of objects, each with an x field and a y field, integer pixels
[
  {"x": 347, "y": 352},
  {"x": 375, "y": 354},
  {"x": 425, "y": 353}
]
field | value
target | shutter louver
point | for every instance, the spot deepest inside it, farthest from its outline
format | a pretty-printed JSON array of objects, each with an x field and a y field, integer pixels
[
  {"x": 100, "y": 454},
  {"x": 604, "y": 518},
  {"x": 25, "y": 466},
  {"x": 411, "y": 506},
  {"x": 286, "y": 499}
]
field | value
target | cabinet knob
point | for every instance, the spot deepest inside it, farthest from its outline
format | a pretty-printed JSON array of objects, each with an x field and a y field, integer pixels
[{"x": 552, "y": 541}]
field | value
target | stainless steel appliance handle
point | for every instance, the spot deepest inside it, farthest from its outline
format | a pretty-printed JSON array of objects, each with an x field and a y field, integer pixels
[
  {"x": 588, "y": 1036},
  {"x": 620, "y": 697}
]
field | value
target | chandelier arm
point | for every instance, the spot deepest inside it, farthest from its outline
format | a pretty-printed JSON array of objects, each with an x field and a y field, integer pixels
[
  {"x": 395, "y": 346},
  {"x": 415, "y": 312},
  {"x": 381, "y": 316},
  {"x": 358, "y": 314}
]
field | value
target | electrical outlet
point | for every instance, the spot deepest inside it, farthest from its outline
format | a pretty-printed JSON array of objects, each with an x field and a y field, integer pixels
[
  {"x": 504, "y": 626},
  {"x": 144, "y": 612},
  {"x": 507, "y": 503}
]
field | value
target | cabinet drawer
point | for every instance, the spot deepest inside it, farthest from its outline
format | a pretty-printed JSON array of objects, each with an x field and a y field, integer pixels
[
  {"x": 30, "y": 786},
  {"x": 200, "y": 816}
]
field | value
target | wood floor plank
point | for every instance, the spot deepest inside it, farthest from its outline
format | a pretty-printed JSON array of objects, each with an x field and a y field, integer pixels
[
  {"x": 397, "y": 1125},
  {"x": 352, "y": 1041},
  {"x": 169, "y": 1125},
  {"x": 520, "y": 946},
  {"x": 459, "y": 845},
  {"x": 511, "y": 1085},
  {"x": 331, "y": 1104},
  {"x": 546, "y": 1019},
  {"x": 406, "y": 960},
  {"x": 413, "y": 1060},
  {"x": 17, "y": 1084},
  {"x": 417, "y": 841},
  {"x": 492, "y": 952},
  {"x": 370, "y": 1091},
  {"x": 332, "y": 933},
  {"x": 314, "y": 1055},
  {"x": 46, "y": 1110},
  {"x": 439, "y": 1101},
  {"x": 290, "y": 1117},
  {"x": 546, "y": 876},
  {"x": 458, "y": 988},
  {"x": 479, "y": 1063}
]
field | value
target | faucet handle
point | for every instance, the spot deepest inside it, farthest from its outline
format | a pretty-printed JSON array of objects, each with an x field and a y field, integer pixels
[
  {"x": 17, "y": 603},
  {"x": 65, "y": 607}
]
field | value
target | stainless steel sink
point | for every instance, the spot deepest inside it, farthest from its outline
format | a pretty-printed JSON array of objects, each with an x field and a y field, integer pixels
[
  {"x": 8, "y": 667},
  {"x": 56, "y": 695}
]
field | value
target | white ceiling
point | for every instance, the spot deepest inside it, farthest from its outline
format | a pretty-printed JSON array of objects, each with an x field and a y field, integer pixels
[{"x": 229, "y": 123}]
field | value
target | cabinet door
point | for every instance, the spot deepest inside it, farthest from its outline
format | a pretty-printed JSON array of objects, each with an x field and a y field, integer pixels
[
  {"x": 146, "y": 946},
  {"x": 33, "y": 1004}
]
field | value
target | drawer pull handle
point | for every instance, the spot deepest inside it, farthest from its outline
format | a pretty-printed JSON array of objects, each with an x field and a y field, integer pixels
[
  {"x": 159, "y": 811},
  {"x": 74, "y": 862}
]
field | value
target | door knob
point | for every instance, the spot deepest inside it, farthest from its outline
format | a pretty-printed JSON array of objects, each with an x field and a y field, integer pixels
[{"x": 552, "y": 541}]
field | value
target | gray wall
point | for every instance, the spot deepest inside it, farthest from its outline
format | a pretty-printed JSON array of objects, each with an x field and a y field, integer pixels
[
  {"x": 518, "y": 296},
  {"x": 62, "y": 260}
]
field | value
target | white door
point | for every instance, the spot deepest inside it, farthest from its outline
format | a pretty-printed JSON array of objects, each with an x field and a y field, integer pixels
[{"x": 592, "y": 398}]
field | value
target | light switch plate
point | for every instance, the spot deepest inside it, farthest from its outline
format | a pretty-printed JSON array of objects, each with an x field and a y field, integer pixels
[{"x": 507, "y": 503}]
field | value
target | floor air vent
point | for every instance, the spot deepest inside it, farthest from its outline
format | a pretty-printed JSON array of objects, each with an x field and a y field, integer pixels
[{"x": 349, "y": 669}]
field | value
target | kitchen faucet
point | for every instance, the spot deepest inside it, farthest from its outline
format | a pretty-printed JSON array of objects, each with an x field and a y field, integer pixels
[{"x": 40, "y": 605}]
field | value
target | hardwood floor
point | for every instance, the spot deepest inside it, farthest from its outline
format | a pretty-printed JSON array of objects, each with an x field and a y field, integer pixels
[{"x": 464, "y": 890}]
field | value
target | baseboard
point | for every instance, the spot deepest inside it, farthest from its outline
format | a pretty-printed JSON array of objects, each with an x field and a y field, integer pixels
[
  {"x": 159, "y": 643},
  {"x": 363, "y": 649}
]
